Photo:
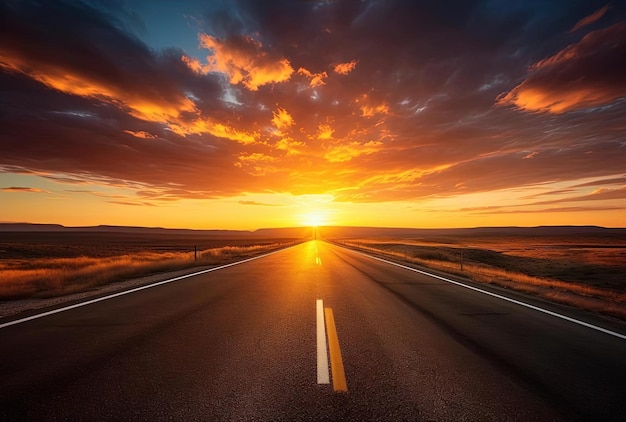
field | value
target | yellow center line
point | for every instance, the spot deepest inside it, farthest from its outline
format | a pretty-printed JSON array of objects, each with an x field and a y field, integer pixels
[{"x": 336, "y": 362}]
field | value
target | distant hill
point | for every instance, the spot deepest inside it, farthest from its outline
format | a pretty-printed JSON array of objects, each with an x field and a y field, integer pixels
[
  {"x": 28, "y": 227},
  {"x": 284, "y": 233},
  {"x": 377, "y": 232},
  {"x": 339, "y": 232}
]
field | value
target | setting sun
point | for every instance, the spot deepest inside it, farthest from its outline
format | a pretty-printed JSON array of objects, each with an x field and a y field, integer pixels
[{"x": 315, "y": 218}]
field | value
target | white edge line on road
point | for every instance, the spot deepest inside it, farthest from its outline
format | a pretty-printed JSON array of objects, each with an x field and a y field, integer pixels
[
  {"x": 517, "y": 302},
  {"x": 323, "y": 376},
  {"x": 136, "y": 289}
]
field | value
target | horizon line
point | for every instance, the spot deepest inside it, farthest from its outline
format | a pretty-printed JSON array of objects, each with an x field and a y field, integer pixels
[{"x": 5, "y": 223}]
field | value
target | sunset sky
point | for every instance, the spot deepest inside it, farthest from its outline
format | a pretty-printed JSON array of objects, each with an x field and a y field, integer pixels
[{"x": 250, "y": 114}]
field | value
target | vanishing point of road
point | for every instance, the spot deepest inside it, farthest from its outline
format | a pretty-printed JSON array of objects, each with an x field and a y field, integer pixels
[{"x": 313, "y": 332}]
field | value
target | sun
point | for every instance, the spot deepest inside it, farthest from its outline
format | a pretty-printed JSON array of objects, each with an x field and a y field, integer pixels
[{"x": 315, "y": 218}]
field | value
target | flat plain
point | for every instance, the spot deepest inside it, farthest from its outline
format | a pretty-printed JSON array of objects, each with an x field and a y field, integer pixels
[
  {"x": 586, "y": 271},
  {"x": 48, "y": 264}
]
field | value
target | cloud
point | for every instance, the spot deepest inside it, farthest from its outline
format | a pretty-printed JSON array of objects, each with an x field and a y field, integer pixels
[
  {"x": 133, "y": 203},
  {"x": 549, "y": 210},
  {"x": 611, "y": 181},
  {"x": 140, "y": 134},
  {"x": 601, "y": 194},
  {"x": 96, "y": 193},
  {"x": 585, "y": 74},
  {"x": 256, "y": 164},
  {"x": 325, "y": 131},
  {"x": 282, "y": 119},
  {"x": 588, "y": 20},
  {"x": 259, "y": 204},
  {"x": 24, "y": 189},
  {"x": 370, "y": 111},
  {"x": 30, "y": 45},
  {"x": 220, "y": 130},
  {"x": 345, "y": 68},
  {"x": 556, "y": 192},
  {"x": 244, "y": 60},
  {"x": 316, "y": 79},
  {"x": 344, "y": 152}
]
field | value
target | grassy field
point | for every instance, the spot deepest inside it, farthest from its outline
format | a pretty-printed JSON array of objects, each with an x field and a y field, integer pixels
[
  {"x": 587, "y": 272},
  {"x": 39, "y": 265},
  {"x": 584, "y": 271}
]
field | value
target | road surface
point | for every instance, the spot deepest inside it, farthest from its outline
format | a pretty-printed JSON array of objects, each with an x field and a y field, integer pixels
[{"x": 242, "y": 343}]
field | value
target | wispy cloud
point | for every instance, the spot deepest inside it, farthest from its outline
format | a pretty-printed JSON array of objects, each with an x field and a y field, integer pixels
[
  {"x": 611, "y": 181},
  {"x": 24, "y": 189},
  {"x": 140, "y": 134},
  {"x": 513, "y": 210},
  {"x": 262, "y": 204},
  {"x": 602, "y": 194},
  {"x": 592, "y": 18},
  {"x": 133, "y": 203}
]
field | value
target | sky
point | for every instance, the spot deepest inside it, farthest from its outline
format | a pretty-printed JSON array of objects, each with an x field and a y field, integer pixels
[{"x": 249, "y": 114}]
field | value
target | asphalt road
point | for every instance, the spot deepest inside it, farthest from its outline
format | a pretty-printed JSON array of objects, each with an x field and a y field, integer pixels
[{"x": 240, "y": 343}]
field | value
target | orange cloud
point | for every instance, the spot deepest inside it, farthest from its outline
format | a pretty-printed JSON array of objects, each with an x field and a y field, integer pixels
[
  {"x": 220, "y": 130},
  {"x": 195, "y": 65},
  {"x": 133, "y": 203},
  {"x": 243, "y": 59},
  {"x": 290, "y": 146},
  {"x": 352, "y": 150},
  {"x": 282, "y": 120},
  {"x": 345, "y": 68},
  {"x": 586, "y": 74},
  {"x": 325, "y": 132},
  {"x": 148, "y": 106},
  {"x": 256, "y": 164},
  {"x": 601, "y": 194},
  {"x": 223, "y": 131},
  {"x": 24, "y": 189},
  {"x": 317, "y": 79},
  {"x": 262, "y": 204},
  {"x": 588, "y": 20},
  {"x": 140, "y": 134},
  {"x": 369, "y": 111}
]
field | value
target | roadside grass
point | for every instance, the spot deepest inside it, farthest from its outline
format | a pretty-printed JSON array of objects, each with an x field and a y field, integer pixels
[
  {"x": 50, "y": 277},
  {"x": 490, "y": 267}
]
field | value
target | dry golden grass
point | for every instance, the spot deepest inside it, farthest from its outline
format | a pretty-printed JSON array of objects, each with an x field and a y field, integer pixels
[
  {"x": 589, "y": 297},
  {"x": 20, "y": 278}
]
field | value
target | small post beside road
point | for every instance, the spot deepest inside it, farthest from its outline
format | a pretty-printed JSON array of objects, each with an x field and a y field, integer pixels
[
  {"x": 195, "y": 253},
  {"x": 461, "y": 259}
]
